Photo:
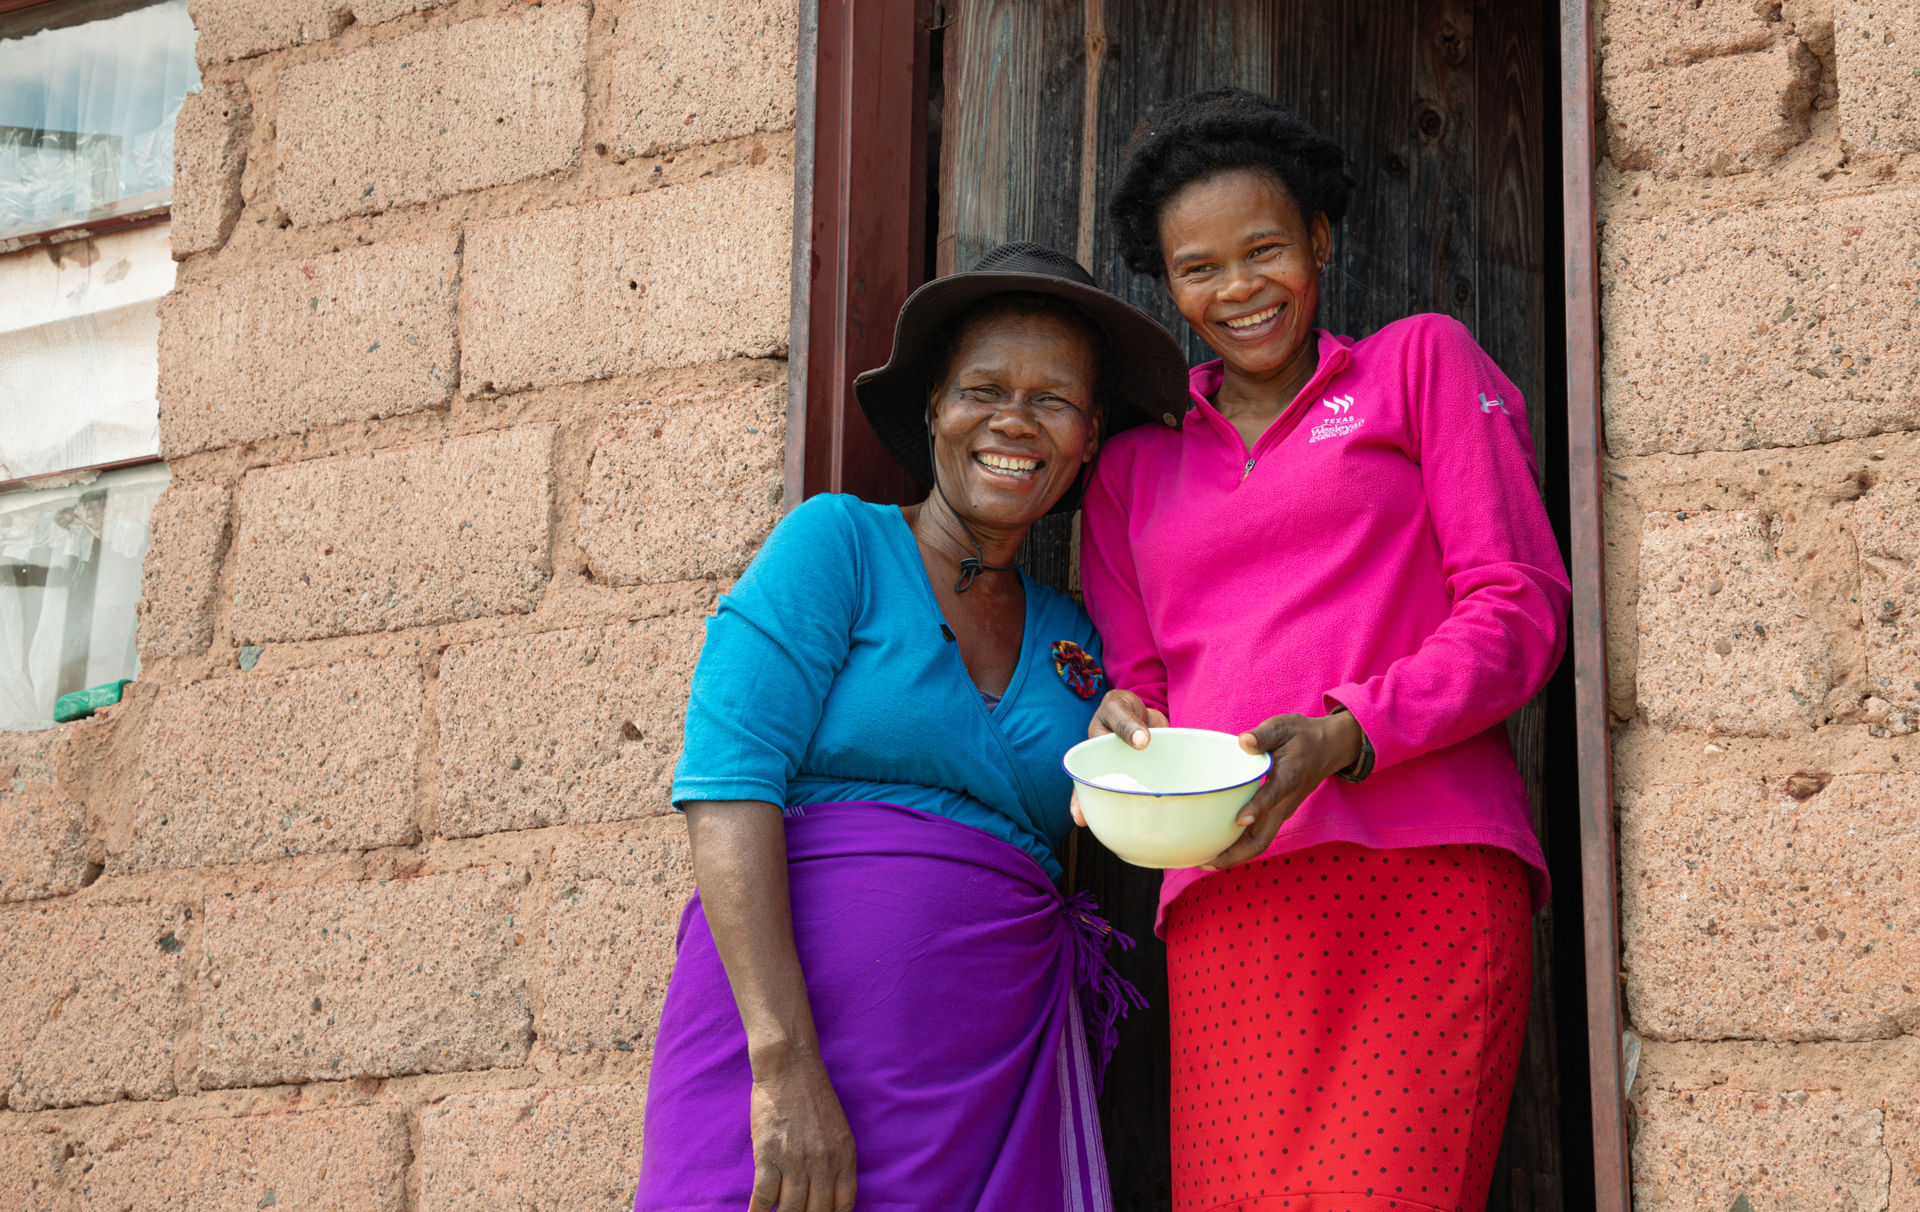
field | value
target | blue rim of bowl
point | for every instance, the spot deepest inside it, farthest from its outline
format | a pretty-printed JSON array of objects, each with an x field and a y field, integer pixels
[{"x": 1161, "y": 795}]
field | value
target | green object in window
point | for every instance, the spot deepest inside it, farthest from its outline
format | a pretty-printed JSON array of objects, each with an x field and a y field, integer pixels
[{"x": 83, "y": 703}]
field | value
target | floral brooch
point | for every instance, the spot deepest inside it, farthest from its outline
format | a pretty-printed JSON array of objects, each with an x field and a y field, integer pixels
[{"x": 1079, "y": 671}]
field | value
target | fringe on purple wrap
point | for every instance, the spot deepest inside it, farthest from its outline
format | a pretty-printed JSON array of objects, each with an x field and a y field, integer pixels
[{"x": 1105, "y": 995}]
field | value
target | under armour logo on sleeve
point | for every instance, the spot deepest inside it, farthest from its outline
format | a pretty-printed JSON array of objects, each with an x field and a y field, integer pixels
[{"x": 1487, "y": 405}]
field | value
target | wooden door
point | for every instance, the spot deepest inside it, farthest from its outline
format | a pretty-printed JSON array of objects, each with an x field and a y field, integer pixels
[{"x": 1440, "y": 105}]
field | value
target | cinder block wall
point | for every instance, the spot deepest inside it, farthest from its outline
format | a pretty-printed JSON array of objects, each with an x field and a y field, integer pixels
[
  {"x": 1761, "y": 278},
  {"x": 473, "y": 388}
]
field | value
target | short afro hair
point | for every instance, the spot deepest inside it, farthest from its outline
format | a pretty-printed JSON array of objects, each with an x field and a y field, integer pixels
[{"x": 1215, "y": 131}]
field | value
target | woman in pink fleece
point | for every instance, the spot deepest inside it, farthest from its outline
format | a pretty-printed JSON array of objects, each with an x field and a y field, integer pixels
[{"x": 1341, "y": 555}]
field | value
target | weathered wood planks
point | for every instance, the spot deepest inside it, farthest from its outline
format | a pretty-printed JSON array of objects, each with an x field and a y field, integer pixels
[{"x": 1439, "y": 105}]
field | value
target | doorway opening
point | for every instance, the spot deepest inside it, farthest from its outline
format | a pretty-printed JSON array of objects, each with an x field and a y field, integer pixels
[
  {"x": 1447, "y": 111},
  {"x": 1021, "y": 114}
]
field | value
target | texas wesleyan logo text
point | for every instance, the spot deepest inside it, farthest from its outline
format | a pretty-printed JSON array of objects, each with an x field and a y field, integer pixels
[{"x": 1339, "y": 425}]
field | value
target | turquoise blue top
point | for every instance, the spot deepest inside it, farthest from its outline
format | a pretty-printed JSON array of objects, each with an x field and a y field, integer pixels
[{"x": 827, "y": 676}]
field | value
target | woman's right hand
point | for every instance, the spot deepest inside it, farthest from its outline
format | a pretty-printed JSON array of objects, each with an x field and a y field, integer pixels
[
  {"x": 803, "y": 1158},
  {"x": 802, "y": 1147},
  {"x": 1124, "y": 712}
]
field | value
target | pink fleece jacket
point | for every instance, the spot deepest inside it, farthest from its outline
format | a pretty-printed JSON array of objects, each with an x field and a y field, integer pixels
[{"x": 1383, "y": 546}]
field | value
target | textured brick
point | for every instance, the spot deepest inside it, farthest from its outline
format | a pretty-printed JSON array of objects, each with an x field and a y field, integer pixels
[
  {"x": 1889, "y": 537},
  {"x": 351, "y": 336},
  {"x": 403, "y": 538},
  {"x": 1716, "y": 118},
  {"x": 425, "y": 975},
  {"x": 350, "y": 1161},
  {"x": 30, "y": 1170},
  {"x": 186, "y": 544},
  {"x": 1903, "y": 1147},
  {"x": 93, "y": 997},
  {"x": 1778, "y": 326},
  {"x": 685, "y": 487},
  {"x": 611, "y": 927},
  {"x": 28, "y": 757},
  {"x": 372, "y": 12},
  {"x": 669, "y": 277},
  {"x": 251, "y": 768},
  {"x": 235, "y": 29},
  {"x": 1724, "y": 645},
  {"x": 1812, "y": 23},
  {"x": 43, "y": 842},
  {"x": 1748, "y": 913},
  {"x": 1701, "y": 1150},
  {"x": 432, "y": 114},
  {"x": 209, "y": 152},
  {"x": 479, "y": 1152},
  {"x": 1877, "y": 59},
  {"x": 1638, "y": 34},
  {"x": 696, "y": 71},
  {"x": 565, "y": 727}
]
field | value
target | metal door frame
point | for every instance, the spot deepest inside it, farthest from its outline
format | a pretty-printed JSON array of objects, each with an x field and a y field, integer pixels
[
  {"x": 859, "y": 232},
  {"x": 1599, "y": 863}
]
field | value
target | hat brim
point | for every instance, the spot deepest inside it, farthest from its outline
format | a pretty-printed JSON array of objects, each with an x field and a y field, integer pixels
[{"x": 1149, "y": 378}]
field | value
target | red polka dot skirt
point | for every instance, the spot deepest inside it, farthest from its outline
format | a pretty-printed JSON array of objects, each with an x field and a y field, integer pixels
[{"x": 1346, "y": 1024}]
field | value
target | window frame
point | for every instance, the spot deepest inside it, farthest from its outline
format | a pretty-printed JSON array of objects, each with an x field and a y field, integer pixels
[
  {"x": 86, "y": 229},
  {"x": 66, "y": 234},
  {"x": 31, "y": 483},
  {"x": 23, "y": 243},
  {"x": 104, "y": 226}
]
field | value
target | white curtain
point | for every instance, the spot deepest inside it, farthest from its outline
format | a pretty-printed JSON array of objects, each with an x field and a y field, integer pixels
[
  {"x": 79, "y": 354},
  {"x": 86, "y": 116},
  {"x": 69, "y": 581}
]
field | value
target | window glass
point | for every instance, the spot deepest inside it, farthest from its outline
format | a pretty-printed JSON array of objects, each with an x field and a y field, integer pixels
[
  {"x": 69, "y": 581},
  {"x": 88, "y": 95},
  {"x": 79, "y": 352}
]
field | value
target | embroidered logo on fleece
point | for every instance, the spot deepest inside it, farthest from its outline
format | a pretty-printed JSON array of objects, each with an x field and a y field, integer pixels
[
  {"x": 1339, "y": 425},
  {"x": 1487, "y": 405}
]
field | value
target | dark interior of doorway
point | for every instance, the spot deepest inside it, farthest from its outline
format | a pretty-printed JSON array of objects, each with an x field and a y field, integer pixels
[{"x": 1419, "y": 79}]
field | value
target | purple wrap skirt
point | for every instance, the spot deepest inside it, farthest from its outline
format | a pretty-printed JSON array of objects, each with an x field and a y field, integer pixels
[{"x": 945, "y": 975}]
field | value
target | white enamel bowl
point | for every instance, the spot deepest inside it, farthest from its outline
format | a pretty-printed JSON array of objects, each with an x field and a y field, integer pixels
[{"x": 1191, "y": 782}]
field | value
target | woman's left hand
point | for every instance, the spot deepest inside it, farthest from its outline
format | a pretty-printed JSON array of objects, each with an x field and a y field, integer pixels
[{"x": 1307, "y": 750}]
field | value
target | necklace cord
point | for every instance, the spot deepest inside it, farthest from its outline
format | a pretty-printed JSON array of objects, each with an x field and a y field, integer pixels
[{"x": 971, "y": 566}]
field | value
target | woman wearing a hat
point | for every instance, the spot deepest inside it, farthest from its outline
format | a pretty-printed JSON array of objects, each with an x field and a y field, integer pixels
[{"x": 877, "y": 983}]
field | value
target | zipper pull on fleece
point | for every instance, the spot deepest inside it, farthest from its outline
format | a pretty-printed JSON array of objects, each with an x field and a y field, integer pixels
[{"x": 1246, "y": 471}]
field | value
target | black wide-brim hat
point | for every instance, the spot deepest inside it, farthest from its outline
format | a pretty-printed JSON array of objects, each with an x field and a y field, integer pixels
[{"x": 1148, "y": 381}]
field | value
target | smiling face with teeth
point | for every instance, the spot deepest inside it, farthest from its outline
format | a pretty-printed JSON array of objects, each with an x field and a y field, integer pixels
[
  {"x": 1014, "y": 419},
  {"x": 1243, "y": 267}
]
